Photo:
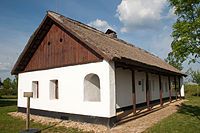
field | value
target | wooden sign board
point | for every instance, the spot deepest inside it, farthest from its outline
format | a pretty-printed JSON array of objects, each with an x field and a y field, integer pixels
[{"x": 28, "y": 94}]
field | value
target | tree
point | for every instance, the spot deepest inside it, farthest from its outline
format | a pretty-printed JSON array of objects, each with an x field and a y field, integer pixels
[
  {"x": 195, "y": 77},
  {"x": 14, "y": 83},
  {"x": 186, "y": 30},
  {"x": 7, "y": 84},
  {"x": 9, "y": 87},
  {"x": 173, "y": 61}
]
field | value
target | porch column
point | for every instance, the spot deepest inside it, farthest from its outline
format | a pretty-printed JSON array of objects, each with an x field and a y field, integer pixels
[
  {"x": 160, "y": 87},
  {"x": 170, "y": 90},
  {"x": 179, "y": 86},
  {"x": 147, "y": 91},
  {"x": 133, "y": 92},
  {"x": 175, "y": 86}
]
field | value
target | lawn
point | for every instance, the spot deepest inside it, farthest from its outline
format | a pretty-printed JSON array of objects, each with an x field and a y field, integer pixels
[
  {"x": 9, "y": 124},
  {"x": 186, "y": 120}
]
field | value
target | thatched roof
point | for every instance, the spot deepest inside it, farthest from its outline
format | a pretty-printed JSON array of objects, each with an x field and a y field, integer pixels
[{"x": 110, "y": 48}]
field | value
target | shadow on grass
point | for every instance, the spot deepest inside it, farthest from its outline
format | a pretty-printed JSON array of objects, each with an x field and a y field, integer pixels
[
  {"x": 6, "y": 102},
  {"x": 50, "y": 126},
  {"x": 195, "y": 94},
  {"x": 190, "y": 110}
]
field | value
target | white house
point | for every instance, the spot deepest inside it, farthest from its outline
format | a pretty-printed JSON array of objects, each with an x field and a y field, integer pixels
[{"x": 77, "y": 72}]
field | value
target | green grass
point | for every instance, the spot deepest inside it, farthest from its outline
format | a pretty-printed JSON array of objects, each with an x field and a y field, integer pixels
[
  {"x": 186, "y": 120},
  {"x": 9, "y": 124}
]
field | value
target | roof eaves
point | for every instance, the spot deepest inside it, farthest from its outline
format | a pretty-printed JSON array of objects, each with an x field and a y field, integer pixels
[{"x": 14, "y": 71}]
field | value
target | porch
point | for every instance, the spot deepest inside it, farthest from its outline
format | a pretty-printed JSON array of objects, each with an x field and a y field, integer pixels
[{"x": 140, "y": 90}]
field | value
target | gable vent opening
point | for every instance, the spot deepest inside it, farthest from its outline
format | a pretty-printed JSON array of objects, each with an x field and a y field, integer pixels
[{"x": 61, "y": 39}]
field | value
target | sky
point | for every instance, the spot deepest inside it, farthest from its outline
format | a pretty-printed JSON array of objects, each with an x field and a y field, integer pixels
[{"x": 144, "y": 23}]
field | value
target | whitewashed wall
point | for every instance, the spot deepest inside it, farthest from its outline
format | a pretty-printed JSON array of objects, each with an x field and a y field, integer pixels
[
  {"x": 71, "y": 93},
  {"x": 154, "y": 89},
  {"x": 173, "y": 90},
  {"x": 165, "y": 86},
  {"x": 182, "y": 88},
  {"x": 123, "y": 87},
  {"x": 140, "y": 94}
]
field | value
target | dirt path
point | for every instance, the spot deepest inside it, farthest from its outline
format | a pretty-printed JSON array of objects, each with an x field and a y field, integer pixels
[
  {"x": 134, "y": 126},
  {"x": 141, "y": 124}
]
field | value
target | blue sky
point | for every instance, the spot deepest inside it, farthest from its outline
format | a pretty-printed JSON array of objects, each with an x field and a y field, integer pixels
[{"x": 144, "y": 23}]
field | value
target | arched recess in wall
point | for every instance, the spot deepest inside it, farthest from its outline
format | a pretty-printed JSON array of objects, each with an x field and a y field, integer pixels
[{"x": 92, "y": 88}]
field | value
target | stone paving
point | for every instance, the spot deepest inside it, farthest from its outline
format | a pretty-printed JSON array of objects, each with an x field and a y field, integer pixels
[{"x": 139, "y": 125}]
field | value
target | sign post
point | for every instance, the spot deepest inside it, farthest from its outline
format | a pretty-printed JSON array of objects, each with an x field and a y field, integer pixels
[
  {"x": 28, "y": 130},
  {"x": 28, "y": 95}
]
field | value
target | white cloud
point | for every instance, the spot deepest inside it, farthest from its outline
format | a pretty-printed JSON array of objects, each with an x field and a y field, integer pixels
[
  {"x": 136, "y": 14},
  {"x": 5, "y": 66},
  {"x": 161, "y": 45},
  {"x": 101, "y": 25}
]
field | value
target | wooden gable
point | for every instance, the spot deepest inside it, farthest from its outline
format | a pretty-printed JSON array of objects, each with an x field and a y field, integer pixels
[{"x": 59, "y": 49}]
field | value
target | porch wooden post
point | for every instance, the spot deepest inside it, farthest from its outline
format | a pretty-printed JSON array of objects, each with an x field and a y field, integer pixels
[
  {"x": 147, "y": 91},
  {"x": 175, "y": 86},
  {"x": 160, "y": 87},
  {"x": 179, "y": 86},
  {"x": 170, "y": 90},
  {"x": 133, "y": 92}
]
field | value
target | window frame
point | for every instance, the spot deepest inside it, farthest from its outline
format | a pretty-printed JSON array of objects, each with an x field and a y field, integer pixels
[
  {"x": 35, "y": 89},
  {"x": 86, "y": 99},
  {"x": 54, "y": 89}
]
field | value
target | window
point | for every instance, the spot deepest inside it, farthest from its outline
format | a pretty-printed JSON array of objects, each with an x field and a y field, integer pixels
[
  {"x": 53, "y": 89},
  {"x": 35, "y": 89},
  {"x": 92, "y": 88}
]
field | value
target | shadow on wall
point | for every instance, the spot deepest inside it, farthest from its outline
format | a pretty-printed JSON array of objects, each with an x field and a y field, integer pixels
[{"x": 190, "y": 110}]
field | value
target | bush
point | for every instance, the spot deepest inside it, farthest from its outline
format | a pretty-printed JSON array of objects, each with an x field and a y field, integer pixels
[
  {"x": 191, "y": 90},
  {"x": 7, "y": 92},
  {"x": 8, "y": 97}
]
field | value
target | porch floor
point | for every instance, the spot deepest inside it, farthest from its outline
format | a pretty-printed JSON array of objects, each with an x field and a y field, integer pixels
[
  {"x": 124, "y": 116},
  {"x": 141, "y": 121}
]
